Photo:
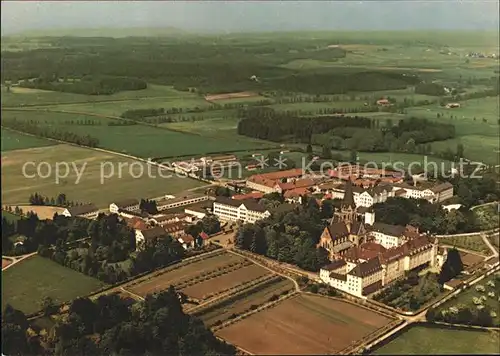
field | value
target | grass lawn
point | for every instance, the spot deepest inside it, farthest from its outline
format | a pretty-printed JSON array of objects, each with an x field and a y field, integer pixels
[
  {"x": 14, "y": 141},
  {"x": 139, "y": 140},
  {"x": 23, "y": 97},
  {"x": 10, "y": 216},
  {"x": 422, "y": 340},
  {"x": 16, "y": 188},
  {"x": 27, "y": 283},
  {"x": 463, "y": 117},
  {"x": 472, "y": 243},
  {"x": 465, "y": 297},
  {"x": 476, "y": 147}
]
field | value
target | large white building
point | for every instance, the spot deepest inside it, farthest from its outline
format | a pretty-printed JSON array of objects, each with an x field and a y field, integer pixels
[
  {"x": 364, "y": 269},
  {"x": 363, "y": 197},
  {"x": 247, "y": 211},
  {"x": 433, "y": 193}
]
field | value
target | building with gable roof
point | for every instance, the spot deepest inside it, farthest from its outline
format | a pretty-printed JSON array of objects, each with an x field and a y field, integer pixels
[{"x": 366, "y": 255}]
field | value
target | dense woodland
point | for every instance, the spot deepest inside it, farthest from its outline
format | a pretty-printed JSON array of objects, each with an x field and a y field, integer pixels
[
  {"x": 109, "y": 325},
  {"x": 409, "y": 135},
  {"x": 343, "y": 132},
  {"x": 287, "y": 236},
  {"x": 268, "y": 124},
  {"x": 34, "y": 128},
  {"x": 87, "y": 85},
  {"x": 119, "y": 64}
]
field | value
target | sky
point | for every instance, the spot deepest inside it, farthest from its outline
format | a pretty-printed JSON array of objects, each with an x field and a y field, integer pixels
[{"x": 248, "y": 16}]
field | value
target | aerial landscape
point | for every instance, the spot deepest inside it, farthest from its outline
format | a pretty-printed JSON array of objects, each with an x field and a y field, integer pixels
[{"x": 250, "y": 178}]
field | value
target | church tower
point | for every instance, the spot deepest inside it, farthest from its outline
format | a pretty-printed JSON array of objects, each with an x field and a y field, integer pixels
[{"x": 347, "y": 211}]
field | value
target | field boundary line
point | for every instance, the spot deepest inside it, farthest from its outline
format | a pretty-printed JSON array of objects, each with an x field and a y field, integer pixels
[
  {"x": 251, "y": 312},
  {"x": 229, "y": 295}
]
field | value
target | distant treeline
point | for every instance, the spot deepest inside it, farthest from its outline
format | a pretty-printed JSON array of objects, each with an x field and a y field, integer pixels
[
  {"x": 87, "y": 85},
  {"x": 340, "y": 83},
  {"x": 408, "y": 135},
  {"x": 268, "y": 124},
  {"x": 35, "y": 129},
  {"x": 226, "y": 67}
]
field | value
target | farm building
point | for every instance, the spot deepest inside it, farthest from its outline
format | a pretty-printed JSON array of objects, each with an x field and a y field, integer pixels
[
  {"x": 88, "y": 211},
  {"x": 267, "y": 182},
  {"x": 452, "y": 105}
]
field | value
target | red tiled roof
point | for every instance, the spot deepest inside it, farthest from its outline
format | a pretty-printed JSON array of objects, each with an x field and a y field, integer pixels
[
  {"x": 296, "y": 192},
  {"x": 252, "y": 195}
]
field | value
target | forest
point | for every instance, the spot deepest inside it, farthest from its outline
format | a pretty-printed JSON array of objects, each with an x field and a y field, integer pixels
[
  {"x": 343, "y": 132},
  {"x": 268, "y": 124},
  {"x": 287, "y": 236},
  {"x": 110, "y": 325}
]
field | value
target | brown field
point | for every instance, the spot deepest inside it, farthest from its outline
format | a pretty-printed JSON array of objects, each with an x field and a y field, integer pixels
[
  {"x": 243, "y": 94},
  {"x": 259, "y": 296},
  {"x": 303, "y": 325},
  {"x": 469, "y": 259},
  {"x": 43, "y": 212},
  {"x": 226, "y": 281},
  {"x": 5, "y": 262},
  {"x": 189, "y": 271}
]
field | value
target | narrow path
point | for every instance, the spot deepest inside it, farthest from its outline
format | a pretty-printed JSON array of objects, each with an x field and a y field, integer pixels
[
  {"x": 297, "y": 287},
  {"x": 466, "y": 251},
  {"x": 490, "y": 245},
  {"x": 17, "y": 259}
]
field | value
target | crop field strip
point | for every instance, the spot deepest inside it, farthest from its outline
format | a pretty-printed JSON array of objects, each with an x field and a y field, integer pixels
[
  {"x": 187, "y": 272},
  {"x": 303, "y": 325},
  {"x": 241, "y": 303}
]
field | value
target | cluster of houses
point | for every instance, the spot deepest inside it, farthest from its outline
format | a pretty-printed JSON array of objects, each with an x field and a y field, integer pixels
[
  {"x": 371, "y": 185},
  {"x": 147, "y": 226}
]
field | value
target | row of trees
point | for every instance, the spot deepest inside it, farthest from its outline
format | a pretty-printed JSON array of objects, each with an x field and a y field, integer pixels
[
  {"x": 87, "y": 85},
  {"x": 48, "y": 132},
  {"x": 61, "y": 200},
  {"x": 109, "y": 325},
  {"x": 287, "y": 236}
]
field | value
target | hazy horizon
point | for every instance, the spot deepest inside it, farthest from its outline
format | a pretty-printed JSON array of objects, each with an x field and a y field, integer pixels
[{"x": 250, "y": 16}]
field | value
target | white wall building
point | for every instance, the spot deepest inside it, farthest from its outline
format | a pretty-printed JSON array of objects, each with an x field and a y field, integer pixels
[
  {"x": 128, "y": 204},
  {"x": 88, "y": 211},
  {"x": 247, "y": 211}
]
